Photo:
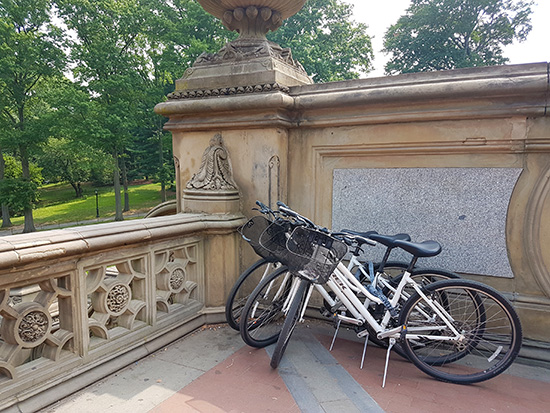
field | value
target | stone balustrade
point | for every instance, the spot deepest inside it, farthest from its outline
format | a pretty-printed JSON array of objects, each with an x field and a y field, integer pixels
[{"x": 78, "y": 303}]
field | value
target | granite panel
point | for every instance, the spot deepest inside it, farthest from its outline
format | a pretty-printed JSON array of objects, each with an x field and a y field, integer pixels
[{"x": 462, "y": 208}]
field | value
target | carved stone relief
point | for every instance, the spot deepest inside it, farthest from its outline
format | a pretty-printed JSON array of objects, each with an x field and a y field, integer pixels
[
  {"x": 28, "y": 330},
  {"x": 175, "y": 274},
  {"x": 240, "y": 90},
  {"x": 215, "y": 172},
  {"x": 117, "y": 296}
]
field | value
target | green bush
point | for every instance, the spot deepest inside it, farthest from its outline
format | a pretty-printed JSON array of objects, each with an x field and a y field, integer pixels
[{"x": 18, "y": 194}]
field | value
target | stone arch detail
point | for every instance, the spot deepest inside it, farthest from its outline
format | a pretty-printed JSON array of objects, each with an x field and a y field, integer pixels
[{"x": 532, "y": 244}]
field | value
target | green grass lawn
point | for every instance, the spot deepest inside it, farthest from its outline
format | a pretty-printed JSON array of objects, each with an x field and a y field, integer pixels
[{"x": 58, "y": 203}]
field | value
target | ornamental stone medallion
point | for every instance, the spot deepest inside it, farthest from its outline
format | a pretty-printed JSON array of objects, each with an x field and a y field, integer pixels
[
  {"x": 117, "y": 299},
  {"x": 249, "y": 64},
  {"x": 31, "y": 327}
]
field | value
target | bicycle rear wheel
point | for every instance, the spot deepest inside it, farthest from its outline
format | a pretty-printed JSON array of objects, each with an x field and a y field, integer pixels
[
  {"x": 489, "y": 327},
  {"x": 291, "y": 320},
  {"x": 262, "y": 316},
  {"x": 243, "y": 287}
]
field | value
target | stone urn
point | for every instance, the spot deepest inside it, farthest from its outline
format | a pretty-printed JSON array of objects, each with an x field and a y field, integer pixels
[
  {"x": 252, "y": 18},
  {"x": 249, "y": 64}
]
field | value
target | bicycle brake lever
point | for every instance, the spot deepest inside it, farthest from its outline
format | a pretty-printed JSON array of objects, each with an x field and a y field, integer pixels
[{"x": 282, "y": 204}]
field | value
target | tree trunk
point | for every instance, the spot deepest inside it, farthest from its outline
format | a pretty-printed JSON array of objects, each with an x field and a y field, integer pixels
[
  {"x": 116, "y": 182},
  {"x": 162, "y": 191},
  {"x": 29, "y": 220},
  {"x": 6, "y": 222},
  {"x": 125, "y": 185},
  {"x": 77, "y": 189}
]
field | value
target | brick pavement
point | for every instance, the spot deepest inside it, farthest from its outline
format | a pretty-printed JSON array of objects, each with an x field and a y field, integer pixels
[{"x": 212, "y": 371}]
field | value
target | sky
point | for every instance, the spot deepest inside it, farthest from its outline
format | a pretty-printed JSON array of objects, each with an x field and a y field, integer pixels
[{"x": 379, "y": 15}]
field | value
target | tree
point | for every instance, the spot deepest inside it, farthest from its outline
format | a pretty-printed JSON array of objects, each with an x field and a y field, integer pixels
[
  {"x": 326, "y": 41},
  {"x": 112, "y": 63},
  {"x": 69, "y": 161},
  {"x": 16, "y": 193},
  {"x": 30, "y": 52},
  {"x": 449, "y": 34}
]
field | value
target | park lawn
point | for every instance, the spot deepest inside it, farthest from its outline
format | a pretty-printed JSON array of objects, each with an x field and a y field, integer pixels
[{"x": 58, "y": 203}]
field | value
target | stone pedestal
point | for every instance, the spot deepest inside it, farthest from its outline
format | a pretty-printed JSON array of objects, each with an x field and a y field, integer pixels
[
  {"x": 211, "y": 202},
  {"x": 250, "y": 64}
]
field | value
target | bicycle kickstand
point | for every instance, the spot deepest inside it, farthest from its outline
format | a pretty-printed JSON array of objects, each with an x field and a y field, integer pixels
[
  {"x": 364, "y": 333},
  {"x": 392, "y": 342},
  {"x": 335, "y": 334}
]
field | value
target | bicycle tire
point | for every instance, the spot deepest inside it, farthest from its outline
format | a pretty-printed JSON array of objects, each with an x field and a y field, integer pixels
[
  {"x": 491, "y": 334},
  {"x": 290, "y": 322},
  {"x": 262, "y": 316},
  {"x": 242, "y": 289}
]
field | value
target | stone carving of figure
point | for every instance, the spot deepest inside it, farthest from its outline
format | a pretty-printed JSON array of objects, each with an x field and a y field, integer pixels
[{"x": 215, "y": 172}]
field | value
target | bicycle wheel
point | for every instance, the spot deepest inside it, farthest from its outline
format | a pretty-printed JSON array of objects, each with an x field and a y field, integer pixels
[
  {"x": 489, "y": 332},
  {"x": 242, "y": 288},
  {"x": 262, "y": 315},
  {"x": 290, "y": 322}
]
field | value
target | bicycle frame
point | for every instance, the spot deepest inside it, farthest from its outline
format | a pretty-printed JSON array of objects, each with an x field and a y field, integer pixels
[{"x": 346, "y": 288}]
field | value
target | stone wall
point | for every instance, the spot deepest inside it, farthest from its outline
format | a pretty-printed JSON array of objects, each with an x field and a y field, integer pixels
[{"x": 491, "y": 119}]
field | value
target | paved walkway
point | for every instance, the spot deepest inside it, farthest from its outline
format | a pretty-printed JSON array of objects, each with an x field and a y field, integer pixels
[{"x": 211, "y": 370}]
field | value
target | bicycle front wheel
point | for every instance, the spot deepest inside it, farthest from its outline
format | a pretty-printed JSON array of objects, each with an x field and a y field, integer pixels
[
  {"x": 487, "y": 336},
  {"x": 243, "y": 287},
  {"x": 262, "y": 316},
  {"x": 291, "y": 320}
]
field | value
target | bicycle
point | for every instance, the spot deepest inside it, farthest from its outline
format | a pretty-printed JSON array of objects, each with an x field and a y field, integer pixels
[
  {"x": 458, "y": 331},
  {"x": 265, "y": 311}
]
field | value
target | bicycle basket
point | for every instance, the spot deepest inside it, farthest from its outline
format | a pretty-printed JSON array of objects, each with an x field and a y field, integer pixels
[
  {"x": 251, "y": 232},
  {"x": 320, "y": 253},
  {"x": 273, "y": 240}
]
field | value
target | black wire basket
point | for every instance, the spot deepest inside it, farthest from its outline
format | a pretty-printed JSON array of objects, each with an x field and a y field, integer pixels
[
  {"x": 273, "y": 240},
  {"x": 322, "y": 251},
  {"x": 308, "y": 253},
  {"x": 251, "y": 232}
]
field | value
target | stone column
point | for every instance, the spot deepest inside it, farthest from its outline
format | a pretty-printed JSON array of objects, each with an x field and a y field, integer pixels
[{"x": 239, "y": 94}]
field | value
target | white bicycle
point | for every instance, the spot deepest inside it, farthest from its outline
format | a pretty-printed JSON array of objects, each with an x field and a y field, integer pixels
[{"x": 455, "y": 330}]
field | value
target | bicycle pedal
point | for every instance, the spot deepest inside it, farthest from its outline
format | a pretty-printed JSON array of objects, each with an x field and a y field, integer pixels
[
  {"x": 363, "y": 333},
  {"x": 324, "y": 312}
]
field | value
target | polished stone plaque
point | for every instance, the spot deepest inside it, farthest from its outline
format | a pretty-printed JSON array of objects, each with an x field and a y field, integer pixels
[{"x": 462, "y": 208}]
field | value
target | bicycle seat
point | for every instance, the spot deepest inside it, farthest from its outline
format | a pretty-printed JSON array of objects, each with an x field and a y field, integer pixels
[
  {"x": 387, "y": 240},
  {"x": 420, "y": 249}
]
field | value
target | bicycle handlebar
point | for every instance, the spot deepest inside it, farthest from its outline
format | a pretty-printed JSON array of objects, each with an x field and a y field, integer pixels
[
  {"x": 347, "y": 237},
  {"x": 357, "y": 239}
]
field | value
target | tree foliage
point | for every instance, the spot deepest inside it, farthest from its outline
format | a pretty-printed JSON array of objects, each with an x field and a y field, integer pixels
[
  {"x": 124, "y": 57},
  {"x": 449, "y": 34},
  {"x": 31, "y": 51},
  {"x": 326, "y": 41}
]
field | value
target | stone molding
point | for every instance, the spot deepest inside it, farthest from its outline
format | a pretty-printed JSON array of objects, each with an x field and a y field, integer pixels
[
  {"x": 31, "y": 249},
  {"x": 533, "y": 249},
  {"x": 229, "y": 91}
]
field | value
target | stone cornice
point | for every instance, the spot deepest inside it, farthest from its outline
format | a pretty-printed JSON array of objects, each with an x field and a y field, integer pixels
[{"x": 488, "y": 92}]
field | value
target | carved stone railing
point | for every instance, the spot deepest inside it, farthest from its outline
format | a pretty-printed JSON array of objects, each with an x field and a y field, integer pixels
[{"x": 76, "y": 299}]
